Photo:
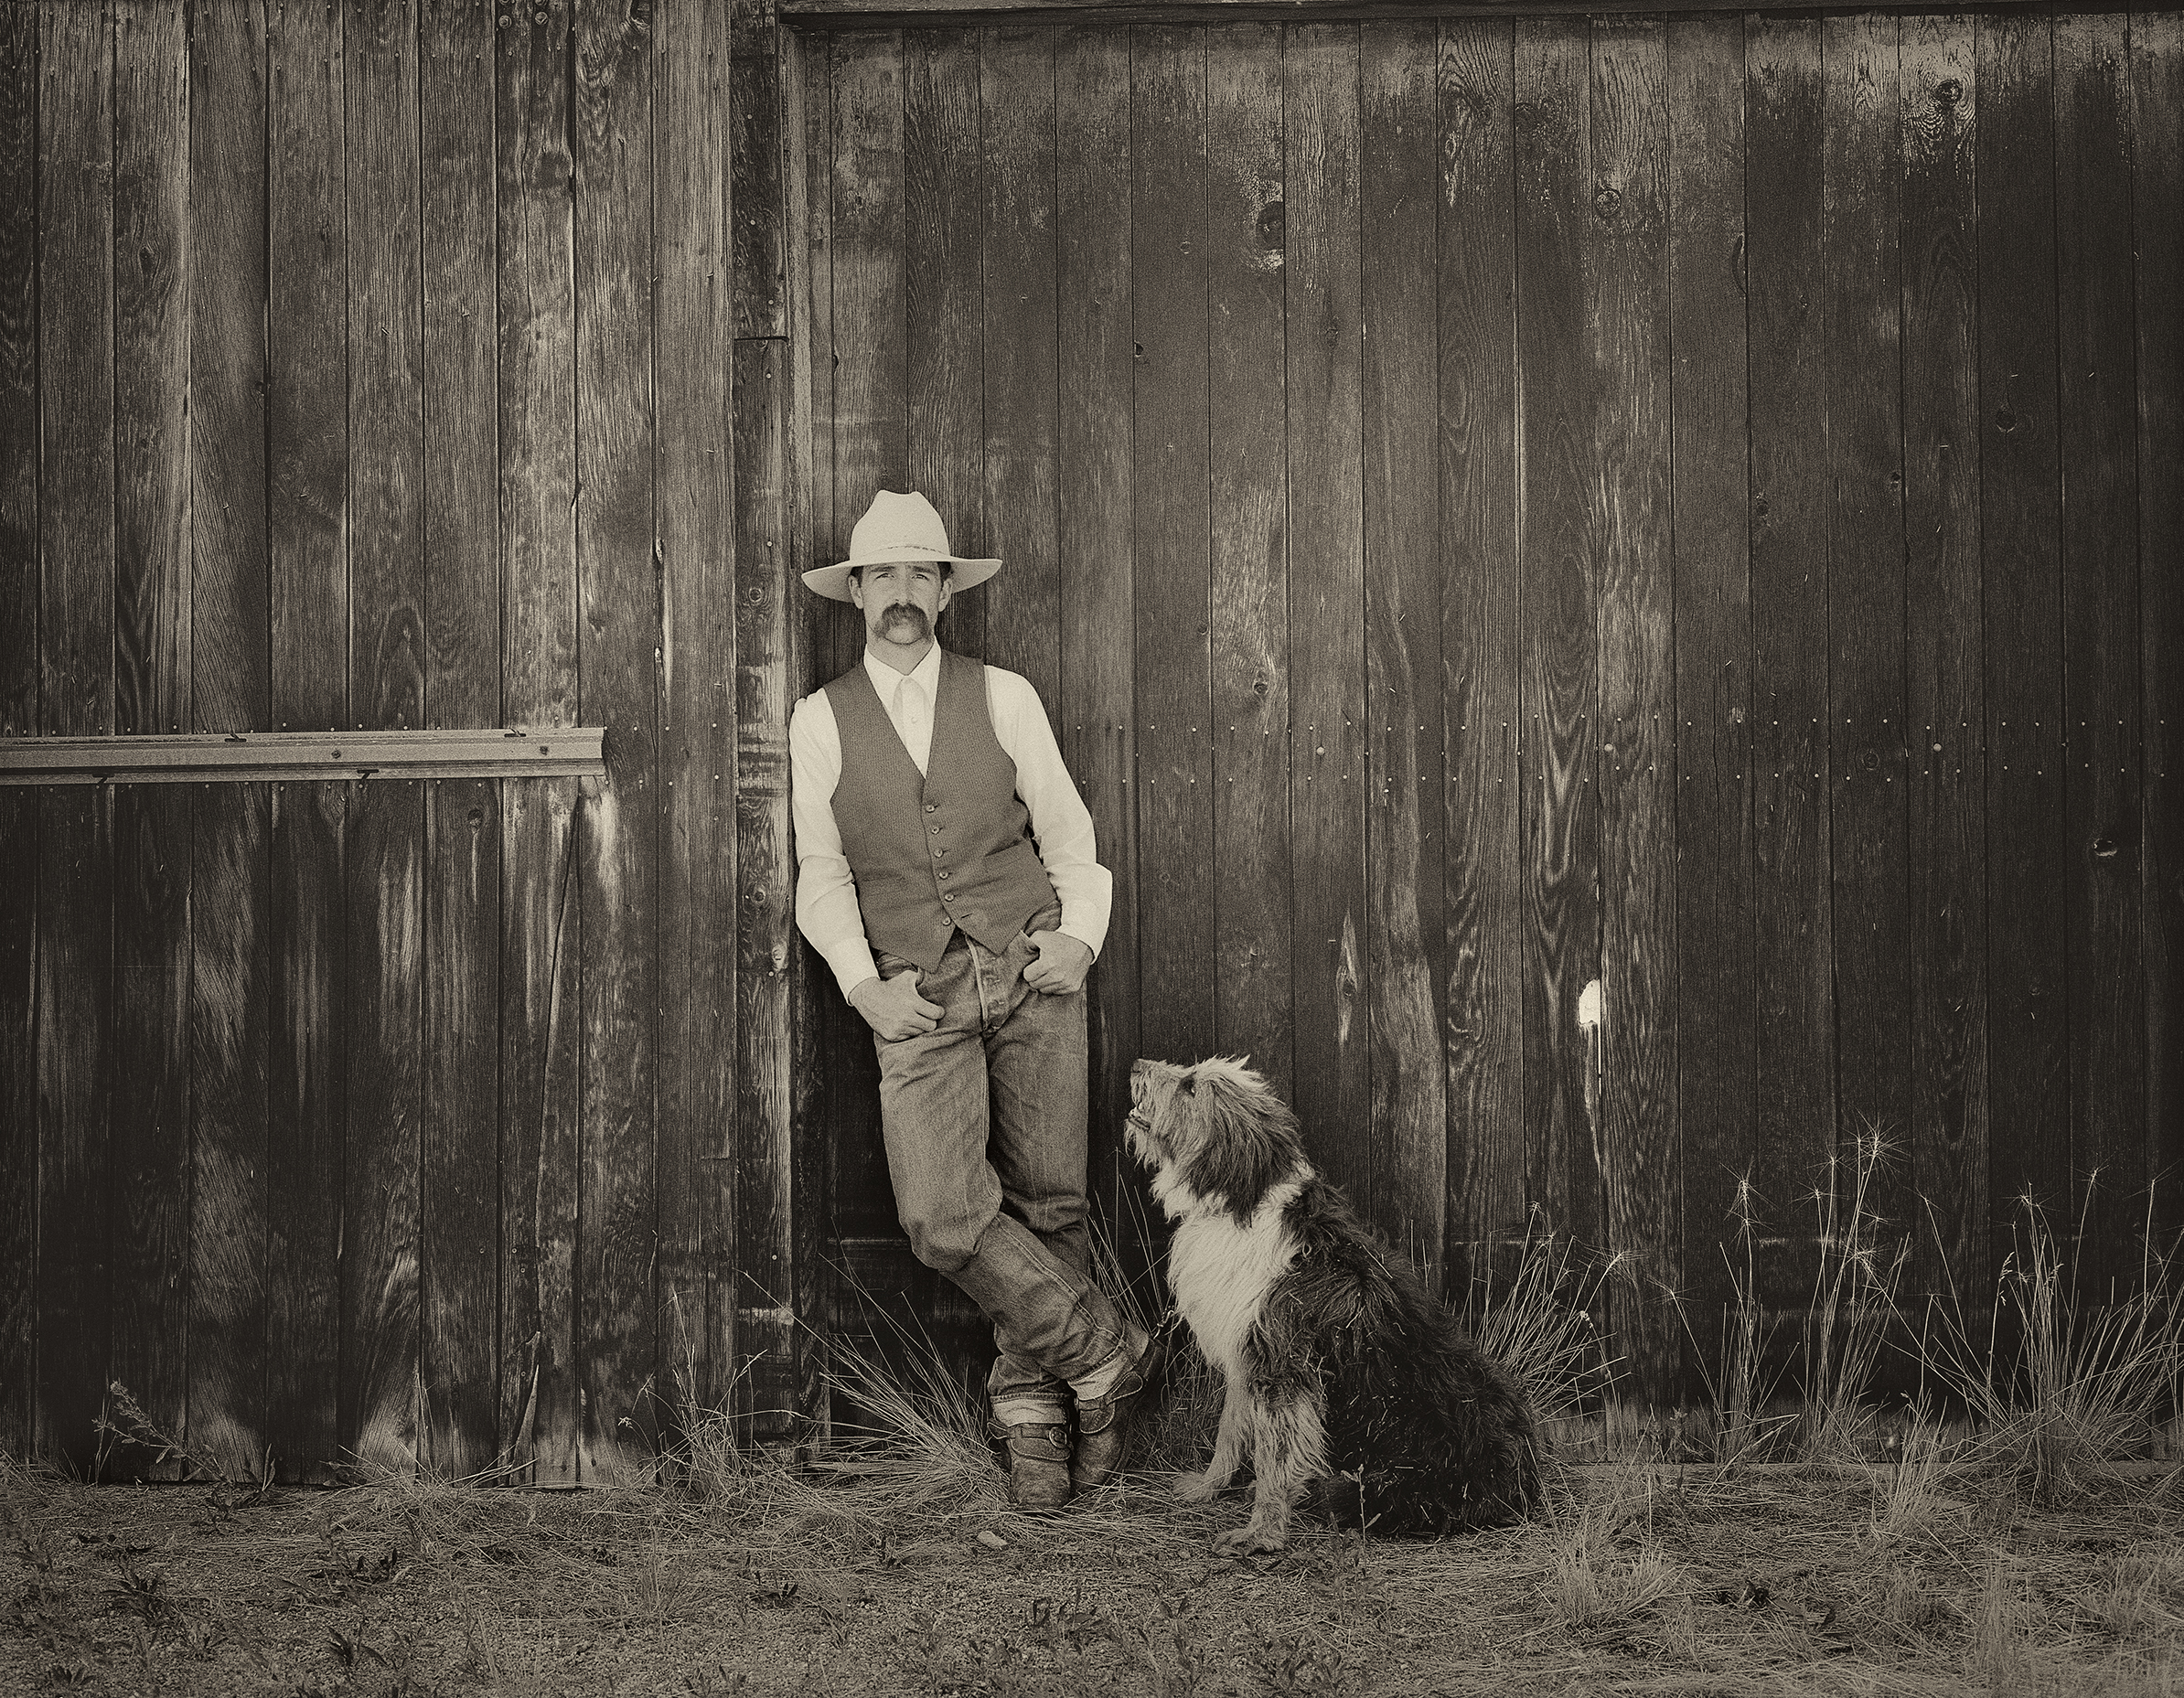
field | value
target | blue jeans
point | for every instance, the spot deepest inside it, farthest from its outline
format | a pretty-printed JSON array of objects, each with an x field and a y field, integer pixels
[{"x": 984, "y": 1122}]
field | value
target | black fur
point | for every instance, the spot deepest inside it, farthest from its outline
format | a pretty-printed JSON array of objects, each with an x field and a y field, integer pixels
[
  {"x": 1435, "y": 1436},
  {"x": 1249, "y": 1142}
]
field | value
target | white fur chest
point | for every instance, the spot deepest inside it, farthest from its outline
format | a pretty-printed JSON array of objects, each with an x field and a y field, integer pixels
[{"x": 1220, "y": 1271}]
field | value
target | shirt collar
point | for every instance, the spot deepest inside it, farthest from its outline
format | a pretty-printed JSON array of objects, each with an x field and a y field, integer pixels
[{"x": 885, "y": 679}]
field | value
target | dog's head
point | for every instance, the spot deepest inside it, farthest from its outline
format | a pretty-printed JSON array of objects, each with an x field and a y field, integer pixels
[{"x": 1215, "y": 1135}]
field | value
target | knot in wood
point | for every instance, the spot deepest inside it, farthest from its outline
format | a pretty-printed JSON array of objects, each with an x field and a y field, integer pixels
[{"x": 1606, "y": 201}]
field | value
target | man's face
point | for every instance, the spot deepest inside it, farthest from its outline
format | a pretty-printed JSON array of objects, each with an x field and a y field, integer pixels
[{"x": 901, "y": 600}]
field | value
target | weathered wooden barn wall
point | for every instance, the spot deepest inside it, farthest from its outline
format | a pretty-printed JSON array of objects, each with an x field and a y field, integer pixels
[
  {"x": 403, "y": 363},
  {"x": 1497, "y": 507},
  {"x": 1492, "y": 504}
]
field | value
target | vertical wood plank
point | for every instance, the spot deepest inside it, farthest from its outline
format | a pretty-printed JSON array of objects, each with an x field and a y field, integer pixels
[
  {"x": 1328, "y": 778},
  {"x": 943, "y": 215},
  {"x": 620, "y": 654},
  {"x": 387, "y": 659},
  {"x": 307, "y": 542},
  {"x": 1638, "y": 1130},
  {"x": 1786, "y": 265},
  {"x": 384, "y": 990},
  {"x": 870, "y": 443},
  {"x": 1483, "y": 1046},
  {"x": 18, "y": 718},
  {"x": 231, "y": 641},
  {"x": 2158, "y": 205},
  {"x": 1246, "y": 256},
  {"x": 1399, "y": 175},
  {"x": 1944, "y": 644},
  {"x": 542, "y": 921},
  {"x": 2021, "y": 597},
  {"x": 1169, "y": 548},
  {"x": 1869, "y": 744},
  {"x": 75, "y": 631},
  {"x": 761, "y": 1236},
  {"x": 1560, "y": 820},
  {"x": 458, "y": 1222},
  {"x": 699, "y": 609},
  {"x": 230, "y": 918},
  {"x": 2097, "y": 420},
  {"x": 232, "y": 936},
  {"x": 757, "y": 214},
  {"x": 1094, "y": 166},
  {"x": 1716, "y": 995},
  {"x": 151, "y": 681},
  {"x": 1018, "y": 334}
]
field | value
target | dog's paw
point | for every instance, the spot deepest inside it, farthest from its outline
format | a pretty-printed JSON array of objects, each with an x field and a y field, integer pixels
[
  {"x": 1251, "y": 1538},
  {"x": 1197, "y": 1488}
]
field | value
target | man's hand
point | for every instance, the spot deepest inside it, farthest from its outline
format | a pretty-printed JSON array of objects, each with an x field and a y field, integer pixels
[
  {"x": 893, "y": 1007},
  {"x": 1062, "y": 964}
]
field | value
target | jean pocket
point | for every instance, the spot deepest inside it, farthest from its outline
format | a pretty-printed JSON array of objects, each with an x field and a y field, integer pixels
[{"x": 1048, "y": 919}]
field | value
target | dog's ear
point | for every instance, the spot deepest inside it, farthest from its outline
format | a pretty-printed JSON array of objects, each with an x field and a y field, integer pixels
[{"x": 1247, "y": 1141}]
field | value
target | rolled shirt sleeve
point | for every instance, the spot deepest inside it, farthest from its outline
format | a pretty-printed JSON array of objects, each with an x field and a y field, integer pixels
[{"x": 827, "y": 911}]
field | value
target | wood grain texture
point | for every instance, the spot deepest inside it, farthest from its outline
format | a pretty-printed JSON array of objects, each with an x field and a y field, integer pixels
[
  {"x": 1399, "y": 176},
  {"x": 2097, "y": 418},
  {"x": 76, "y": 374},
  {"x": 1018, "y": 332},
  {"x": 1717, "y": 994},
  {"x": 757, "y": 210},
  {"x": 309, "y": 981},
  {"x": 385, "y": 873},
  {"x": 20, "y": 412},
  {"x": 1246, "y": 269},
  {"x": 1627, "y": 323},
  {"x": 231, "y": 902},
  {"x": 459, "y": 1204},
  {"x": 758, "y": 1247},
  {"x": 308, "y": 366},
  {"x": 151, "y": 663},
  {"x": 230, "y": 1019},
  {"x": 1170, "y": 594},
  {"x": 387, "y": 674},
  {"x": 152, "y": 595},
  {"x": 2158, "y": 206},
  {"x": 2021, "y": 598},
  {"x": 75, "y": 629},
  {"x": 74, "y": 956},
  {"x": 1786, "y": 265},
  {"x": 1328, "y": 777},
  {"x": 1094, "y": 166},
  {"x": 1869, "y": 742},
  {"x": 695, "y": 518},
  {"x": 944, "y": 344},
  {"x": 1943, "y": 653},
  {"x": 18, "y": 717},
  {"x": 541, "y": 909},
  {"x": 458, "y": 1224},
  {"x": 1560, "y": 682},
  {"x": 230, "y": 612},
  {"x": 457, "y": 221},
  {"x": 1483, "y": 1046},
  {"x": 871, "y": 446},
  {"x": 620, "y": 655}
]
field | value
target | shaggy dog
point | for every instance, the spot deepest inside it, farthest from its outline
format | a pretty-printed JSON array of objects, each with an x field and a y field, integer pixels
[{"x": 1345, "y": 1377}]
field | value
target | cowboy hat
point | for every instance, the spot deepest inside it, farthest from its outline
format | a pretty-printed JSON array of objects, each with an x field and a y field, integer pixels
[{"x": 898, "y": 527}]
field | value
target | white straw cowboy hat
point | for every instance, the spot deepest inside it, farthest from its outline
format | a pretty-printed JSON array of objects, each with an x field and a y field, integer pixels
[{"x": 898, "y": 527}]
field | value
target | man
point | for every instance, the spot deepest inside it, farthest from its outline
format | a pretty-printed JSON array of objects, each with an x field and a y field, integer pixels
[{"x": 945, "y": 869}]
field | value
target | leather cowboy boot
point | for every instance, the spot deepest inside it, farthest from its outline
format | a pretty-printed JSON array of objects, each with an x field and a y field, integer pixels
[
  {"x": 1103, "y": 1423},
  {"x": 1038, "y": 1461}
]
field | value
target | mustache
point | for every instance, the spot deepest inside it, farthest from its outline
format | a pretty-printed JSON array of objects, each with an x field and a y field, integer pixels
[{"x": 904, "y": 610}]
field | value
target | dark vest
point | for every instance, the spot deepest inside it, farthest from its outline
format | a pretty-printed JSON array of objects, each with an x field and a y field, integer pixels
[{"x": 946, "y": 847}]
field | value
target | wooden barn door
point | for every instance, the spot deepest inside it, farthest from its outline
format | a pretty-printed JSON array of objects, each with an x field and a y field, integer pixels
[{"x": 1560, "y": 552}]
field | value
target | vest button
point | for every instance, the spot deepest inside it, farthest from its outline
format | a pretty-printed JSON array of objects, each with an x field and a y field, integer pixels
[
  {"x": 944, "y": 875},
  {"x": 934, "y": 829},
  {"x": 931, "y": 806},
  {"x": 949, "y": 897}
]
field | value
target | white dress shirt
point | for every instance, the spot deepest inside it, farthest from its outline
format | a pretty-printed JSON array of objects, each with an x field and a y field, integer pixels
[{"x": 827, "y": 911}]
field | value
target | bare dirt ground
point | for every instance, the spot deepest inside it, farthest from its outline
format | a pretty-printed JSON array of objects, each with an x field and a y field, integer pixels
[{"x": 1664, "y": 1581}]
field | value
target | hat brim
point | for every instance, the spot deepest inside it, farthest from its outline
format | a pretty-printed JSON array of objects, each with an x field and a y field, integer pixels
[{"x": 833, "y": 582}]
